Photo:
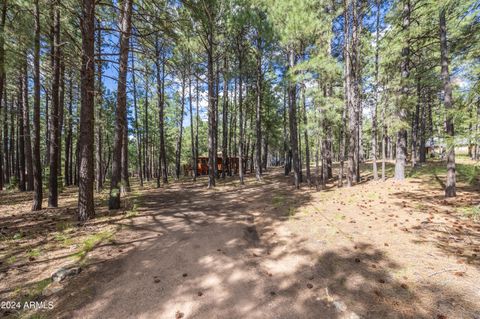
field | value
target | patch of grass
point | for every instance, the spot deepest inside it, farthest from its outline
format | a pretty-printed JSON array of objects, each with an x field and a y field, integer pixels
[
  {"x": 63, "y": 226},
  {"x": 34, "y": 252},
  {"x": 468, "y": 173},
  {"x": 17, "y": 236},
  {"x": 37, "y": 288},
  {"x": 91, "y": 241},
  {"x": 278, "y": 200},
  {"x": 131, "y": 214},
  {"x": 340, "y": 216},
  {"x": 11, "y": 260},
  {"x": 65, "y": 239},
  {"x": 471, "y": 212}
]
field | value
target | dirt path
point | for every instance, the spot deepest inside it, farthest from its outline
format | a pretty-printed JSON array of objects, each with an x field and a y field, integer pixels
[{"x": 263, "y": 251}]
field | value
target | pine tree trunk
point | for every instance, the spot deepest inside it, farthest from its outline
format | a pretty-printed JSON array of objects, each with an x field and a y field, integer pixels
[
  {"x": 26, "y": 132},
  {"x": 137, "y": 128},
  {"x": 20, "y": 138},
  {"x": 415, "y": 125},
  {"x": 293, "y": 122},
  {"x": 119, "y": 182},
  {"x": 348, "y": 93},
  {"x": 99, "y": 115},
  {"x": 422, "y": 150},
  {"x": 384, "y": 137},
  {"x": 450, "y": 189},
  {"x": 197, "y": 120},
  {"x": 86, "y": 209},
  {"x": 211, "y": 111},
  {"x": 258, "y": 115},
  {"x": 37, "y": 164},
  {"x": 61, "y": 111},
  {"x": 146, "y": 140},
  {"x": 401, "y": 147},
  {"x": 305, "y": 132},
  {"x": 225, "y": 119},
  {"x": 6, "y": 153},
  {"x": 215, "y": 117},
  {"x": 192, "y": 136},
  {"x": 342, "y": 142},
  {"x": 160, "y": 74},
  {"x": 240, "y": 119},
  {"x": 68, "y": 135},
  {"x": 377, "y": 85},
  {"x": 178, "y": 148},
  {"x": 54, "y": 123},
  {"x": 2, "y": 85},
  {"x": 286, "y": 157},
  {"x": 12, "y": 142}
]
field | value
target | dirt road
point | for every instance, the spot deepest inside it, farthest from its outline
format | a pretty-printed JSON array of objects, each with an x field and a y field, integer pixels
[{"x": 263, "y": 251}]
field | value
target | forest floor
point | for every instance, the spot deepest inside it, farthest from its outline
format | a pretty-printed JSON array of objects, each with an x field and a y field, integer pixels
[{"x": 376, "y": 250}]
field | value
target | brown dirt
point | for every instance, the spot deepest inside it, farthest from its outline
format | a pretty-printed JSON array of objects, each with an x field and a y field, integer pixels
[{"x": 376, "y": 250}]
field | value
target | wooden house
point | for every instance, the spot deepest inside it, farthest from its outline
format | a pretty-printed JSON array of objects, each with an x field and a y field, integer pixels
[{"x": 202, "y": 166}]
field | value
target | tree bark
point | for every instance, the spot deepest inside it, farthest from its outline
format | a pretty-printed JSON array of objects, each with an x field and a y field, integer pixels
[
  {"x": 292, "y": 89},
  {"x": 37, "y": 164},
  {"x": 20, "y": 137},
  {"x": 450, "y": 189},
  {"x": 211, "y": 110},
  {"x": 26, "y": 132},
  {"x": 160, "y": 74},
  {"x": 225, "y": 118},
  {"x": 120, "y": 146},
  {"x": 178, "y": 148},
  {"x": 258, "y": 114},
  {"x": 401, "y": 147},
  {"x": 99, "y": 110},
  {"x": 137, "y": 129},
  {"x": 305, "y": 133},
  {"x": 240, "y": 117},
  {"x": 68, "y": 135},
  {"x": 54, "y": 136},
  {"x": 6, "y": 153},
  {"x": 86, "y": 209},
  {"x": 377, "y": 85},
  {"x": 2, "y": 83},
  {"x": 146, "y": 139},
  {"x": 192, "y": 136}
]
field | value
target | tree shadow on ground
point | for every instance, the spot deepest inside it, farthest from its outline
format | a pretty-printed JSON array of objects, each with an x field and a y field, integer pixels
[
  {"x": 445, "y": 225},
  {"x": 197, "y": 259}
]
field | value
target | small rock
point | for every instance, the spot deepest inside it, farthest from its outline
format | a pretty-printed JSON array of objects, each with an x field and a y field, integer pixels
[
  {"x": 185, "y": 275},
  {"x": 309, "y": 286},
  {"x": 179, "y": 315},
  {"x": 340, "y": 306},
  {"x": 200, "y": 293},
  {"x": 63, "y": 273}
]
